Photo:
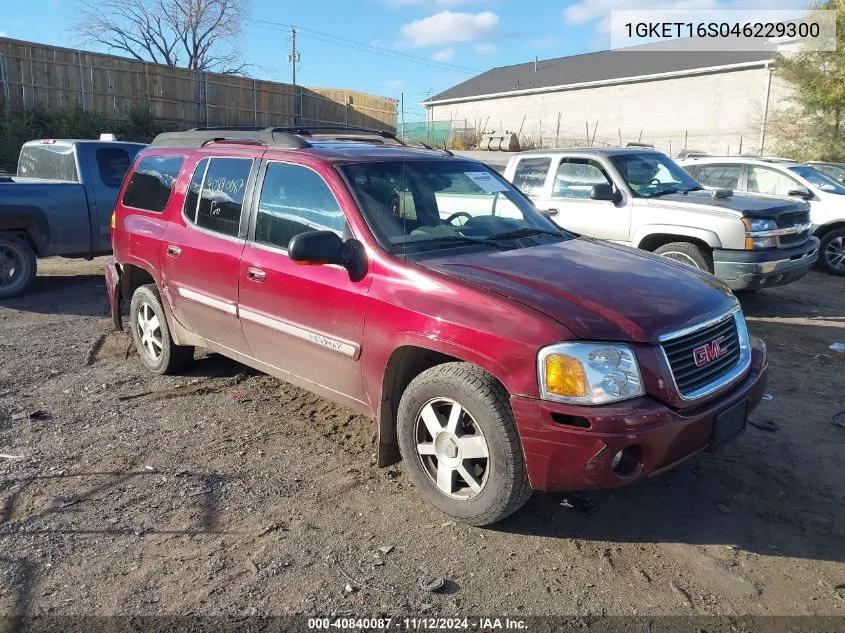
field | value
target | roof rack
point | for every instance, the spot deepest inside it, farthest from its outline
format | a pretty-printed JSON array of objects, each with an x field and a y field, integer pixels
[{"x": 284, "y": 137}]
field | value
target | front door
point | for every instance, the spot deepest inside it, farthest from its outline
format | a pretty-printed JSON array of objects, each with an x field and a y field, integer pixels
[
  {"x": 569, "y": 193},
  {"x": 202, "y": 252},
  {"x": 307, "y": 321}
]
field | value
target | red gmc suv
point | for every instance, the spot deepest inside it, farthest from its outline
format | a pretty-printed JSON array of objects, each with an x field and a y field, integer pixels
[{"x": 496, "y": 352}]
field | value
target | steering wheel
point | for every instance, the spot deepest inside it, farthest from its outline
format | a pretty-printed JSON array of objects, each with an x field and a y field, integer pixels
[{"x": 457, "y": 215}]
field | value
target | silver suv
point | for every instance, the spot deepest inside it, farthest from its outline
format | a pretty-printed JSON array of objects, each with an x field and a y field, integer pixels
[
  {"x": 642, "y": 198},
  {"x": 779, "y": 179}
]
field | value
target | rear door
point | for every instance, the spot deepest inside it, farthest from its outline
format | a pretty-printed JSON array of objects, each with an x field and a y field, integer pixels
[
  {"x": 307, "y": 321},
  {"x": 201, "y": 250},
  {"x": 572, "y": 183}
]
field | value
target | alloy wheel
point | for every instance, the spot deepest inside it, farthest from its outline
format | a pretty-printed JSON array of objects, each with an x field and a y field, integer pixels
[
  {"x": 10, "y": 266},
  {"x": 683, "y": 258},
  {"x": 452, "y": 448},
  {"x": 834, "y": 253},
  {"x": 149, "y": 331}
]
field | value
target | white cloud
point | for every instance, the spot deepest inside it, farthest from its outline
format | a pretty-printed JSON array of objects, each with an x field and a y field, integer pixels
[
  {"x": 448, "y": 27},
  {"x": 2, "y": 34},
  {"x": 445, "y": 4},
  {"x": 484, "y": 49},
  {"x": 444, "y": 56},
  {"x": 396, "y": 83}
]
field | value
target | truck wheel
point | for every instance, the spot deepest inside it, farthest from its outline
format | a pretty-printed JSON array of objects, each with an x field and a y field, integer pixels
[
  {"x": 458, "y": 437},
  {"x": 832, "y": 252},
  {"x": 152, "y": 337},
  {"x": 17, "y": 265},
  {"x": 687, "y": 253}
]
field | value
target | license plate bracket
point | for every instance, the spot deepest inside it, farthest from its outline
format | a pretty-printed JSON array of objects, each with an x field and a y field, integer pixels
[{"x": 729, "y": 424}]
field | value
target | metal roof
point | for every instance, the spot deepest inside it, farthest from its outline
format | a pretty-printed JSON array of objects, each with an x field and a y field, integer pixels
[{"x": 594, "y": 68}]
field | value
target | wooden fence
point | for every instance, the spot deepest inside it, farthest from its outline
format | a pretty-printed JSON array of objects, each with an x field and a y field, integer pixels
[{"x": 36, "y": 75}]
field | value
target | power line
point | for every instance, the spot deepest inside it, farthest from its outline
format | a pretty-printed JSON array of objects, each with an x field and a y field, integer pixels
[{"x": 367, "y": 48}]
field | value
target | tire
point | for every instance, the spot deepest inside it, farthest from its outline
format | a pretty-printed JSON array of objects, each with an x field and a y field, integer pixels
[
  {"x": 484, "y": 424},
  {"x": 150, "y": 332},
  {"x": 687, "y": 253},
  {"x": 17, "y": 265},
  {"x": 832, "y": 252}
]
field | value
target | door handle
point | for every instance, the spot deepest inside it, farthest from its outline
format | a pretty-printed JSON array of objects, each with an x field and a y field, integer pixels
[
  {"x": 255, "y": 274},
  {"x": 173, "y": 251}
]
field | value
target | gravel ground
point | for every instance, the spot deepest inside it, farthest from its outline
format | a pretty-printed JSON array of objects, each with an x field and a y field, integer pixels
[{"x": 224, "y": 491}]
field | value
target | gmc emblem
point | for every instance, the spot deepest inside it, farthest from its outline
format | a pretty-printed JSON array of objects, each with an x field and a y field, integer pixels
[{"x": 709, "y": 352}]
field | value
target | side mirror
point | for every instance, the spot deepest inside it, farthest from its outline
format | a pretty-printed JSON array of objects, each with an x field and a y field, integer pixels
[
  {"x": 605, "y": 192},
  {"x": 316, "y": 248},
  {"x": 800, "y": 192},
  {"x": 550, "y": 213}
]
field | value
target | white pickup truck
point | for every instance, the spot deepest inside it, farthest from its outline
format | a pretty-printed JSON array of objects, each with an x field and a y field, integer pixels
[{"x": 642, "y": 198}]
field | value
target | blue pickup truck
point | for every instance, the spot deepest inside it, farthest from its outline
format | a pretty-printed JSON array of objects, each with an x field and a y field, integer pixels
[{"x": 60, "y": 203}]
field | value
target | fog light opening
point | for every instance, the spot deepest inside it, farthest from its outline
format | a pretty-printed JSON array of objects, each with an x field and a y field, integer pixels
[{"x": 628, "y": 461}]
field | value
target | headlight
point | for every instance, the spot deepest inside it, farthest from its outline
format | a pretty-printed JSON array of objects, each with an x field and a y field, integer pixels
[
  {"x": 588, "y": 373},
  {"x": 756, "y": 233}
]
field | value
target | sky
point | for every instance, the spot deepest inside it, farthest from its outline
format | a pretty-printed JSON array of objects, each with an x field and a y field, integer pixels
[{"x": 405, "y": 49}]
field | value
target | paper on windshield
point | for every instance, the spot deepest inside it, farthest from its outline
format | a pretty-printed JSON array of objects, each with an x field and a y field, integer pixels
[{"x": 486, "y": 181}]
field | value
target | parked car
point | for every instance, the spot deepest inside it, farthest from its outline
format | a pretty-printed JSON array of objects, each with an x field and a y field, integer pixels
[
  {"x": 642, "y": 198},
  {"x": 60, "y": 203},
  {"x": 777, "y": 178},
  {"x": 831, "y": 170},
  {"x": 496, "y": 352}
]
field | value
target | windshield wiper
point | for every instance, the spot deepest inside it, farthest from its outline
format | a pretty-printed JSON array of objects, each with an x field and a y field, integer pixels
[
  {"x": 458, "y": 238},
  {"x": 664, "y": 192},
  {"x": 525, "y": 232}
]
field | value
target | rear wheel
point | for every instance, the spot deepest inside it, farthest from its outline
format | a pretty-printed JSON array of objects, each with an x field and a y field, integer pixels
[
  {"x": 460, "y": 443},
  {"x": 152, "y": 337},
  {"x": 17, "y": 265},
  {"x": 832, "y": 252},
  {"x": 687, "y": 253}
]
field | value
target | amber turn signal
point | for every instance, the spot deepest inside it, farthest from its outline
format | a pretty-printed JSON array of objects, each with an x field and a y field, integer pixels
[{"x": 565, "y": 376}]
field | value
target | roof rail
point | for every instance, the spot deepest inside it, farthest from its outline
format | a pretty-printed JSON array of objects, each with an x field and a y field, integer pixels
[
  {"x": 198, "y": 137},
  {"x": 285, "y": 137}
]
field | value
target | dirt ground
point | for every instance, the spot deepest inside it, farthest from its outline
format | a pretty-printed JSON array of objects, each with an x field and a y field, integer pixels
[{"x": 224, "y": 491}]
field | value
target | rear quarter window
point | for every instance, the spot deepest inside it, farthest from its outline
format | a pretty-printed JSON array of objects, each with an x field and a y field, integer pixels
[{"x": 152, "y": 183}]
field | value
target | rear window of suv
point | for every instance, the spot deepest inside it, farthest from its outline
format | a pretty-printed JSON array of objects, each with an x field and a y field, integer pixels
[{"x": 152, "y": 183}]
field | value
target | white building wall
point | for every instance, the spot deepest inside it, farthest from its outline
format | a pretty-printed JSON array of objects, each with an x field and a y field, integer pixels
[{"x": 714, "y": 112}]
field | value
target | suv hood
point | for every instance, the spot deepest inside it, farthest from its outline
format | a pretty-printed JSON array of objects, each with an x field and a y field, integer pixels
[
  {"x": 742, "y": 204},
  {"x": 597, "y": 290}
]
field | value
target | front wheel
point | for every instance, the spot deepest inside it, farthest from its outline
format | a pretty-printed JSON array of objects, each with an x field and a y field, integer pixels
[
  {"x": 687, "y": 253},
  {"x": 459, "y": 440},
  {"x": 17, "y": 265},
  {"x": 832, "y": 252},
  {"x": 152, "y": 337}
]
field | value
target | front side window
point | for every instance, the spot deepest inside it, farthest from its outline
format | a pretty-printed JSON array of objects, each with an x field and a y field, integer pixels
[
  {"x": 152, "y": 182},
  {"x": 530, "y": 175},
  {"x": 222, "y": 197},
  {"x": 769, "y": 181},
  {"x": 112, "y": 163},
  {"x": 422, "y": 205},
  {"x": 721, "y": 176},
  {"x": 294, "y": 200},
  {"x": 820, "y": 180},
  {"x": 652, "y": 174},
  {"x": 576, "y": 177}
]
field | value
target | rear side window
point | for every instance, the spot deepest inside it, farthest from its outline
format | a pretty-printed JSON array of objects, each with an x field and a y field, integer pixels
[
  {"x": 530, "y": 175},
  {"x": 152, "y": 182},
  {"x": 112, "y": 163},
  {"x": 51, "y": 162},
  {"x": 295, "y": 200},
  {"x": 722, "y": 176},
  {"x": 222, "y": 198}
]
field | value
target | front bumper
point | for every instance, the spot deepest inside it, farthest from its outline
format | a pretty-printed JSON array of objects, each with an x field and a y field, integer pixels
[
  {"x": 751, "y": 270},
  {"x": 571, "y": 447}
]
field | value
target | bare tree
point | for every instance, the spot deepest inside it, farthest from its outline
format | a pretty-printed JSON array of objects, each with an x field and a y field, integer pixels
[{"x": 196, "y": 34}]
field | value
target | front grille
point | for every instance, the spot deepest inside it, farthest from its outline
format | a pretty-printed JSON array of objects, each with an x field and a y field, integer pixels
[
  {"x": 690, "y": 377},
  {"x": 791, "y": 219},
  {"x": 794, "y": 239}
]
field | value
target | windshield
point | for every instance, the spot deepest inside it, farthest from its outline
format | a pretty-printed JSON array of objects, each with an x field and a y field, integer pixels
[
  {"x": 650, "y": 174},
  {"x": 833, "y": 171},
  {"x": 818, "y": 179},
  {"x": 432, "y": 204}
]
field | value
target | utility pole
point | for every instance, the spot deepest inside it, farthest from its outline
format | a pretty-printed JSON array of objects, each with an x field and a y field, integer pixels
[{"x": 293, "y": 58}]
